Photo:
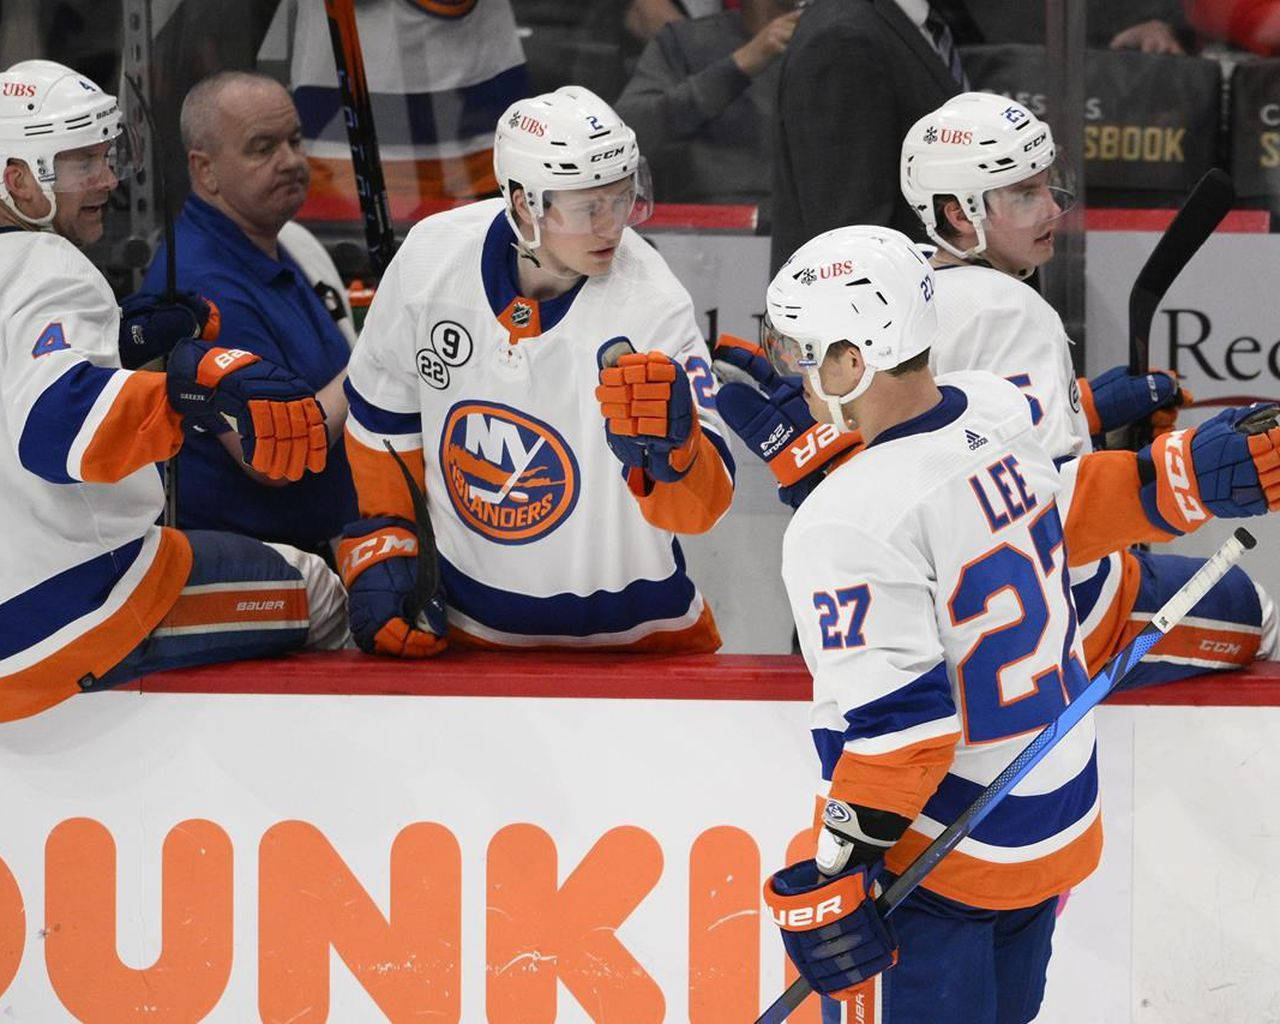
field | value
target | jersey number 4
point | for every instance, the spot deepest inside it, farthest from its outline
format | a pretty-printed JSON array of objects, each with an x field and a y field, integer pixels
[
  {"x": 51, "y": 339},
  {"x": 995, "y": 708}
]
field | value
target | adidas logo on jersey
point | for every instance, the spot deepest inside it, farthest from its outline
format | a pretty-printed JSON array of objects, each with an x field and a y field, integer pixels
[{"x": 975, "y": 441}]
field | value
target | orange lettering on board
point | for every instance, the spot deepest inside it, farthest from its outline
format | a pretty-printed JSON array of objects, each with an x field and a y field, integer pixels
[
  {"x": 538, "y": 931},
  {"x": 188, "y": 978},
  {"x": 309, "y": 900},
  {"x": 724, "y": 927},
  {"x": 13, "y": 926}
]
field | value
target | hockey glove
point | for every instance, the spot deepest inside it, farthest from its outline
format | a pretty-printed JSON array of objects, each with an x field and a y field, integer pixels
[
  {"x": 831, "y": 928},
  {"x": 149, "y": 327},
  {"x": 1115, "y": 399},
  {"x": 650, "y": 423},
  {"x": 378, "y": 560},
  {"x": 769, "y": 413},
  {"x": 1229, "y": 466},
  {"x": 280, "y": 423}
]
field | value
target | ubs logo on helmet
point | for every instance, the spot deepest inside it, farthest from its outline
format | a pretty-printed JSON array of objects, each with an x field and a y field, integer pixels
[
  {"x": 511, "y": 478},
  {"x": 525, "y": 123},
  {"x": 19, "y": 89},
  {"x": 955, "y": 137}
]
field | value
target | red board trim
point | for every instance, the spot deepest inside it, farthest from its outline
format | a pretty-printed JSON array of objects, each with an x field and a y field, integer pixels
[{"x": 611, "y": 676}]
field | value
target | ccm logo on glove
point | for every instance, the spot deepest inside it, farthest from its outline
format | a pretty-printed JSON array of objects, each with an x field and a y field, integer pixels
[
  {"x": 1183, "y": 488},
  {"x": 391, "y": 544}
]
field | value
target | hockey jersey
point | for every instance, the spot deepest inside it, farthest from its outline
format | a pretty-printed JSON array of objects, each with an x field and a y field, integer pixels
[
  {"x": 85, "y": 573},
  {"x": 542, "y": 540},
  {"x": 994, "y": 322},
  {"x": 439, "y": 73},
  {"x": 927, "y": 579}
]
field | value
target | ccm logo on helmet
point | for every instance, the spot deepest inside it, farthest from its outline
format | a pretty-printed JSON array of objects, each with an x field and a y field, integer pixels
[
  {"x": 19, "y": 89},
  {"x": 808, "y": 917},
  {"x": 608, "y": 154}
]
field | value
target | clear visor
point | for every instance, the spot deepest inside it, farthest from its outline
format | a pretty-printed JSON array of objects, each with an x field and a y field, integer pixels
[
  {"x": 1037, "y": 201},
  {"x": 604, "y": 210},
  {"x": 786, "y": 355},
  {"x": 101, "y": 165}
]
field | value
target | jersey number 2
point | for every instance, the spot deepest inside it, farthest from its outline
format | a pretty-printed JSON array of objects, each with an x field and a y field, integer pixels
[{"x": 989, "y": 712}]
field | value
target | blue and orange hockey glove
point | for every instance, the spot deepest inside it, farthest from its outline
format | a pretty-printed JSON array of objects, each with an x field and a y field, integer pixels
[
  {"x": 1115, "y": 399},
  {"x": 1229, "y": 466},
  {"x": 831, "y": 928},
  {"x": 650, "y": 423},
  {"x": 769, "y": 413},
  {"x": 378, "y": 561},
  {"x": 280, "y": 423},
  {"x": 151, "y": 327}
]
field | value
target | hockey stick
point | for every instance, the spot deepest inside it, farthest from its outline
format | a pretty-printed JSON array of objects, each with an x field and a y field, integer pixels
[
  {"x": 1200, "y": 214},
  {"x": 1090, "y": 697},
  {"x": 358, "y": 112},
  {"x": 427, "y": 569},
  {"x": 170, "y": 275}
]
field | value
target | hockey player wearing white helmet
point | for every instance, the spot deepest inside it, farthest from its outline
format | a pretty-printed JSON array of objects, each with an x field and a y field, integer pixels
[
  {"x": 989, "y": 320},
  {"x": 982, "y": 173},
  {"x": 93, "y": 593},
  {"x": 554, "y": 511},
  {"x": 898, "y": 567}
]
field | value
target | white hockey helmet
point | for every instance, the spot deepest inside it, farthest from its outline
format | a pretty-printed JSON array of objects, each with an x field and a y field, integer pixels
[
  {"x": 974, "y": 143},
  {"x": 867, "y": 285},
  {"x": 48, "y": 111},
  {"x": 566, "y": 140}
]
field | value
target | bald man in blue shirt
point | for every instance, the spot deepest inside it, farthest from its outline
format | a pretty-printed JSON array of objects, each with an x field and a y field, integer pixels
[{"x": 249, "y": 176}]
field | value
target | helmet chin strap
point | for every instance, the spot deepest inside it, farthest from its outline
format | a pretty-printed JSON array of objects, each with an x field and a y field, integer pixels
[
  {"x": 835, "y": 403},
  {"x": 971, "y": 254}
]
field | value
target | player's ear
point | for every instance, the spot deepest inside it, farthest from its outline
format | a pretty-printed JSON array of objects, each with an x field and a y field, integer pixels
[
  {"x": 955, "y": 215},
  {"x": 18, "y": 179},
  {"x": 520, "y": 203}
]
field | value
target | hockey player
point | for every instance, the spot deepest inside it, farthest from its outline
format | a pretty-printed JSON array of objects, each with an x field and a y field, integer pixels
[
  {"x": 92, "y": 592},
  {"x": 927, "y": 579},
  {"x": 981, "y": 173},
  {"x": 554, "y": 515}
]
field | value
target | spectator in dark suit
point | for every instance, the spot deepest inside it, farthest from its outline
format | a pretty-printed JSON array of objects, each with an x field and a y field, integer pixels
[{"x": 857, "y": 75}]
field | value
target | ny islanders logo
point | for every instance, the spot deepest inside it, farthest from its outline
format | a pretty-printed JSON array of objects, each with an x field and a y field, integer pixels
[{"x": 510, "y": 477}]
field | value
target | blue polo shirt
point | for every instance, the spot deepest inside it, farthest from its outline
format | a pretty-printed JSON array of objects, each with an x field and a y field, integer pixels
[{"x": 268, "y": 308}]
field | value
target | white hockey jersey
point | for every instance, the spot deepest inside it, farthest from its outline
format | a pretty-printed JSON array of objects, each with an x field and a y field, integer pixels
[
  {"x": 85, "y": 573},
  {"x": 439, "y": 73},
  {"x": 994, "y": 322},
  {"x": 542, "y": 541},
  {"x": 927, "y": 580}
]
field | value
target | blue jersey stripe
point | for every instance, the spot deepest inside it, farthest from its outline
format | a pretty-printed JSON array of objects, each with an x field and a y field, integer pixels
[
  {"x": 925, "y": 699},
  {"x": 380, "y": 421},
  {"x": 33, "y": 615},
  {"x": 56, "y": 419},
  {"x": 1085, "y": 593},
  {"x": 1019, "y": 820},
  {"x": 723, "y": 448},
  {"x": 570, "y": 614},
  {"x": 410, "y": 118}
]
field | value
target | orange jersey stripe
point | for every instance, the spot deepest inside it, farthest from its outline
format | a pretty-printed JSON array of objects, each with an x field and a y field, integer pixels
[
  {"x": 380, "y": 485},
  {"x": 900, "y": 781},
  {"x": 981, "y": 883},
  {"x": 1107, "y": 637},
  {"x": 694, "y": 503},
  {"x": 408, "y": 182},
  {"x": 54, "y": 679},
  {"x": 701, "y": 638},
  {"x": 1106, "y": 513},
  {"x": 139, "y": 429},
  {"x": 245, "y": 607}
]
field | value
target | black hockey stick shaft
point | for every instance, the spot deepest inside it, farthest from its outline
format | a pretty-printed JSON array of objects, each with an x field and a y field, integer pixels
[
  {"x": 1111, "y": 675},
  {"x": 358, "y": 110},
  {"x": 1201, "y": 213},
  {"x": 427, "y": 574},
  {"x": 170, "y": 274}
]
